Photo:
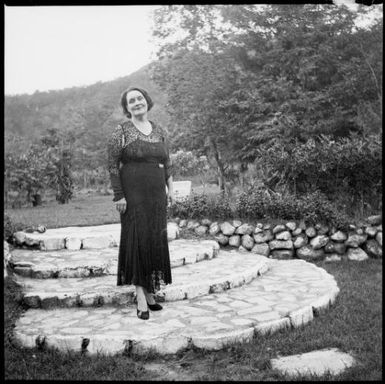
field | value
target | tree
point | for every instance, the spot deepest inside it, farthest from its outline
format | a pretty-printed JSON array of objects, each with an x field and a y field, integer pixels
[{"x": 287, "y": 72}]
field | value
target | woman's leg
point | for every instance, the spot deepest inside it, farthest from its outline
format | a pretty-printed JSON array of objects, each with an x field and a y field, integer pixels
[
  {"x": 149, "y": 297},
  {"x": 141, "y": 298}
]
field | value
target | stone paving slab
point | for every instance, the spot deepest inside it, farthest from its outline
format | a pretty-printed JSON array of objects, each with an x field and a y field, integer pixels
[
  {"x": 318, "y": 363},
  {"x": 228, "y": 270},
  {"x": 276, "y": 300},
  {"x": 97, "y": 262}
]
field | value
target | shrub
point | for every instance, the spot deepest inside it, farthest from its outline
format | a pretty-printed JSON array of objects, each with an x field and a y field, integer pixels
[
  {"x": 312, "y": 207},
  {"x": 201, "y": 206},
  {"x": 350, "y": 166},
  {"x": 10, "y": 228}
]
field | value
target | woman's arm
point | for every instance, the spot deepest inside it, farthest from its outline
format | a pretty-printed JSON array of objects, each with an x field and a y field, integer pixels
[{"x": 114, "y": 152}]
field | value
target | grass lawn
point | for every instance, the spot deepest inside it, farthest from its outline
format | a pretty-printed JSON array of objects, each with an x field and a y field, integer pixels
[
  {"x": 80, "y": 211},
  {"x": 353, "y": 324}
]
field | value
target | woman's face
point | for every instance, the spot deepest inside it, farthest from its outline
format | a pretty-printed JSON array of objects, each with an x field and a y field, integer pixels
[{"x": 136, "y": 103}]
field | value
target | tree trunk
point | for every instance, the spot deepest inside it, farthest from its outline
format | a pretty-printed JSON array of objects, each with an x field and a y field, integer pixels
[{"x": 221, "y": 170}]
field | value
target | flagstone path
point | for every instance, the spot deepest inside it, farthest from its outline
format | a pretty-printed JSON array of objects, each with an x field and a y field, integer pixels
[{"x": 217, "y": 297}]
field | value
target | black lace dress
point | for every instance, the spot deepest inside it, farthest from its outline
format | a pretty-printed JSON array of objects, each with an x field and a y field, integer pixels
[{"x": 139, "y": 167}]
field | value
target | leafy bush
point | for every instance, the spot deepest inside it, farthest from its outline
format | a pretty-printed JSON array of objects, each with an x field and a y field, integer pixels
[
  {"x": 350, "y": 166},
  {"x": 10, "y": 228},
  {"x": 201, "y": 206},
  {"x": 312, "y": 208}
]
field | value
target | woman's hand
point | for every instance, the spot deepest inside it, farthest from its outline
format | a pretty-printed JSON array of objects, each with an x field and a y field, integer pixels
[
  {"x": 171, "y": 198},
  {"x": 121, "y": 205}
]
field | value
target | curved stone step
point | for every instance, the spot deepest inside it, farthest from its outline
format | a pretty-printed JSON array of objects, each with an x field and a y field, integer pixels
[
  {"x": 93, "y": 262},
  {"x": 288, "y": 295},
  {"x": 228, "y": 270},
  {"x": 76, "y": 238}
]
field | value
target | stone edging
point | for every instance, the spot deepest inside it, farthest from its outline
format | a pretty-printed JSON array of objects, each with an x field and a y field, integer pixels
[{"x": 293, "y": 239}]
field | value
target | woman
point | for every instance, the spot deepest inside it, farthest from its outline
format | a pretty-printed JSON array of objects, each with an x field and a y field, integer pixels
[{"x": 139, "y": 167}]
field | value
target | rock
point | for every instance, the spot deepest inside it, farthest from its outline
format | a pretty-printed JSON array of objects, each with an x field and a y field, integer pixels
[
  {"x": 329, "y": 247},
  {"x": 355, "y": 240},
  {"x": 333, "y": 257},
  {"x": 182, "y": 223},
  {"x": 332, "y": 230},
  {"x": 357, "y": 254},
  {"x": 263, "y": 237},
  {"x": 227, "y": 229},
  {"x": 372, "y": 248},
  {"x": 244, "y": 229},
  {"x": 282, "y": 254},
  {"x": 360, "y": 231},
  {"x": 379, "y": 238},
  {"x": 379, "y": 227},
  {"x": 192, "y": 224},
  {"x": 374, "y": 220},
  {"x": 172, "y": 232},
  {"x": 247, "y": 241},
  {"x": 259, "y": 225},
  {"x": 41, "y": 228},
  {"x": 73, "y": 243},
  {"x": 258, "y": 230},
  {"x": 19, "y": 237},
  {"x": 319, "y": 241},
  {"x": 285, "y": 235},
  {"x": 222, "y": 239},
  {"x": 340, "y": 248},
  {"x": 261, "y": 249},
  {"x": 315, "y": 363},
  {"x": 297, "y": 232},
  {"x": 310, "y": 232},
  {"x": 279, "y": 244},
  {"x": 339, "y": 236},
  {"x": 300, "y": 241},
  {"x": 267, "y": 226},
  {"x": 371, "y": 231},
  {"x": 322, "y": 229},
  {"x": 291, "y": 226},
  {"x": 235, "y": 241},
  {"x": 308, "y": 253},
  {"x": 52, "y": 244},
  {"x": 302, "y": 225},
  {"x": 237, "y": 223},
  {"x": 206, "y": 222},
  {"x": 201, "y": 230},
  {"x": 278, "y": 228},
  {"x": 242, "y": 249},
  {"x": 214, "y": 229}
]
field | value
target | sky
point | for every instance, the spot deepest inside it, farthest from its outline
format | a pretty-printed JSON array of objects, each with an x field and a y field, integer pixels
[{"x": 56, "y": 47}]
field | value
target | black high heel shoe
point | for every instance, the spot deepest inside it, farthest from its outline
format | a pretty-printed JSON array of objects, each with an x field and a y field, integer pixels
[
  {"x": 143, "y": 315},
  {"x": 155, "y": 307}
]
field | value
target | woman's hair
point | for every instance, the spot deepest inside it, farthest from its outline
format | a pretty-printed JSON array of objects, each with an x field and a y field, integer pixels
[{"x": 123, "y": 100}]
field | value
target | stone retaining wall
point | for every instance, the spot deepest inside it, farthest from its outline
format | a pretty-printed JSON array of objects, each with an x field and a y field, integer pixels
[{"x": 295, "y": 239}]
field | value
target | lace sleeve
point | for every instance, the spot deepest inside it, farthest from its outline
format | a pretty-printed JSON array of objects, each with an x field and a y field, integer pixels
[
  {"x": 168, "y": 164},
  {"x": 114, "y": 150}
]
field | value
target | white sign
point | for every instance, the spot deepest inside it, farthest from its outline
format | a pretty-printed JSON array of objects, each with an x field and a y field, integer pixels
[{"x": 181, "y": 189}]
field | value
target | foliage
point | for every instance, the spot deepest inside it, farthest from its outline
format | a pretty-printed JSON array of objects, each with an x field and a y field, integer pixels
[
  {"x": 311, "y": 207},
  {"x": 201, "y": 206},
  {"x": 274, "y": 74},
  {"x": 10, "y": 227},
  {"x": 347, "y": 167},
  {"x": 46, "y": 164}
]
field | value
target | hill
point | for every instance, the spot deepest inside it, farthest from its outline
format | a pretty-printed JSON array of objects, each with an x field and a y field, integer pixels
[{"x": 87, "y": 113}]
